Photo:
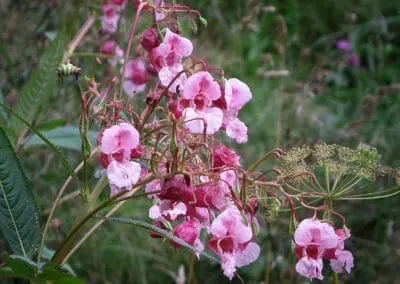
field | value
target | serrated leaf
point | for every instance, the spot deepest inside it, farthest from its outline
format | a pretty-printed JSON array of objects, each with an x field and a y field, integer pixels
[
  {"x": 158, "y": 231},
  {"x": 40, "y": 86},
  {"x": 51, "y": 146},
  {"x": 67, "y": 137},
  {"x": 19, "y": 220}
]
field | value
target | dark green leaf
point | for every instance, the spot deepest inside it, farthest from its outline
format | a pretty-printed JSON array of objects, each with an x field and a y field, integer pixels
[
  {"x": 64, "y": 137},
  {"x": 19, "y": 266},
  {"x": 19, "y": 221},
  {"x": 39, "y": 88},
  {"x": 52, "y": 147},
  {"x": 56, "y": 274},
  {"x": 158, "y": 231}
]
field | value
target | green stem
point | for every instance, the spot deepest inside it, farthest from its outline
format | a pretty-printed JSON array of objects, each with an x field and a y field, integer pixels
[{"x": 335, "y": 278}]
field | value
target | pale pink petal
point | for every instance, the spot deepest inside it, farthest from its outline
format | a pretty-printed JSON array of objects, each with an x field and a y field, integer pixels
[
  {"x": 129, "y": 136},
  {"x": 182, "y": 46},
  {"x": 109, "y": 140},
  {"x": 237, "y": 130},
  {"x": 167, "y": 74},
  {"x": 132, "y": 89},
  {"x": 248, "y": 255},
  {"x": 228, "y": 265},
  {"x": 154, "y": 212},
  {"x": 310, "y": 268},
  {"x": 194, "y": 120},
  {"x": 303, "y": 234},
  {"x": 123, "y": 175},
  {"x": 177, "y": 210},
  {"x": 239, "y": 95},
  {"x": 344, "y": 259},
  {"x": 201, "y": 82}
]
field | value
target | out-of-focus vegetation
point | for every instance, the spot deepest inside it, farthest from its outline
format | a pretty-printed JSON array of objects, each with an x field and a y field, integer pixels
[{"x": 320, "y": 98}]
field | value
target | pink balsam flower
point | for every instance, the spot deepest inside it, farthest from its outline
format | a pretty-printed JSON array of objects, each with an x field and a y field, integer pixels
[
  {"x": 199, "y": 92},
  {"x": 170, "y": 52},
  {"x": 136, "y": 77},
  {"x": 111, "y": 48},
  {"x": 312, "y": 239},
  {"x": 231, "y": 241},
  {"x": 122, "y": 175},
  {"x": 118, "y": 141},
  {"x": 110, "y": 19}
]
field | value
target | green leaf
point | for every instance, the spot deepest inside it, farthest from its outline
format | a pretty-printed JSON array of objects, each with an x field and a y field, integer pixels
[
  {"x": 56, "y": 274},
  {"x": 67, "y": 137},
  {"x": 19, "y": 220},
  {"x": 158, "y": 231},
  {"x": 52, "y": 147},
  {"x": 51, "y": 124},
  {"x": 22, "y": 267},
  {"x": 19, "y": 266},
  {"x": 40, "y": 86}
]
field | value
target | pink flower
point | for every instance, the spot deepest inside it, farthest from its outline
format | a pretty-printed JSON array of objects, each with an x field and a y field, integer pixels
[
  {"x": 343, "y": 45},
  {"x": 310, "y": 267},
  {"x": 111, "y": 48},
  {"x": 189, "y": 231},
  {"x": 167, "y": 74},
  {"x": 313, "y": 238},
  {"x": 237, "y": 130},
  {"x": 171, "y": 50},
  {"x": 231, "y": 241},
  {"x": 237, "y": 94},
  {"x": 209, "y": 195},
  {"x": 224, "y": 156},
  {"x": 167, "y": 210},
  {"x": 136, "y": 77},
  {"x": 122, "y": 175},
  {"x": 109, "y": 21},
  {"x": 118, "y": 141},
  {"x": 343, "y": 260},
  {"x": 199, "y": 93},
  {"x": 159, "y": 16},
  {"x": 208, "y": 120}
]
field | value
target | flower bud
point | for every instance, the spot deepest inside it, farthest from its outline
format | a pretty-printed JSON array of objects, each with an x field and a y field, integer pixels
[{"x": 149, "y": 39}]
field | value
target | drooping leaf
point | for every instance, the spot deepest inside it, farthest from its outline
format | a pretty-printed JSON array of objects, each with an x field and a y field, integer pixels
[
  {"x": 67, "y": 137},
  {"x": 19, "y": 220},
  {"x": 40, "y": 86},
  {"x": 158, "y": 231},
  {"x": 51, "y": 146}
]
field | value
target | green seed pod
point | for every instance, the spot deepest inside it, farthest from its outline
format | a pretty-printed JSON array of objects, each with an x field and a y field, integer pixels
[{"x": 65, "y": 70}]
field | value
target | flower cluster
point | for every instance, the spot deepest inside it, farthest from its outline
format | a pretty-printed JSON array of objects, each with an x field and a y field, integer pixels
[
  {"x": 317, "y": 241},
  {"x": 199, "y": 191}
]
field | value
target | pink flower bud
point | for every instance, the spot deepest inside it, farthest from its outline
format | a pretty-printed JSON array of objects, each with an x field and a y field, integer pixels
[{"x": 149, "y": 39}]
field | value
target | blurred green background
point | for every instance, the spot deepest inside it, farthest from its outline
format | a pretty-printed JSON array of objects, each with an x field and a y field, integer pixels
[{"x": 320, "y": 99}]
